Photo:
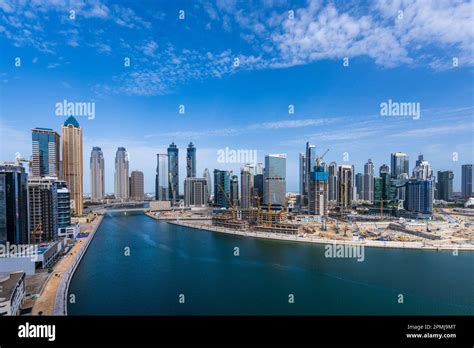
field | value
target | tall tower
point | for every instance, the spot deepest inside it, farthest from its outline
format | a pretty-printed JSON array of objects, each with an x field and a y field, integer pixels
[
  {"x": 234, "y": 190},
  {"x": 400, "y": 164},
  {"x": 318, "y": 191},
  {"x": 173, "y": 169},
  {"x": 72, "y": 169},
  {"x": 137, "y": 191},
  {"x": 332, "y": 182},
  {"x": 191, "y": 161},
  {"x": 162, "y": 182},
  {"x": 45, "y": 149},
  {"x": 206, "y": 175},
  {"x": 275, "y": 180},
  {"x": 121, "y": 181},
  {"x": 466, "y": 180},
  {"x": 246, "y": 186},
  {"x": 97, "y": 167},
  {"x": 368, "y": 191},
  {"x": 345, "y": 183}
]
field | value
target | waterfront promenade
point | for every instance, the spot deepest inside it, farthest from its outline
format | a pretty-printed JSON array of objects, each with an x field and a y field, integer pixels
[
  {"x": 52, "y": 300},
  {"x": 314, "y": 239}
]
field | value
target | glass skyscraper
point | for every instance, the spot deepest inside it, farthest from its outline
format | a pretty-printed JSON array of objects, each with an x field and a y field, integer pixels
[
  {"x": 221, "y": 188},
  {"x": 275, "y": 180},
  {"x": 14, "y": 224},
  {"x": 97, "y": 168},
  {"x": 419, "y": 196},
  {"x": 162, "y": 178},
  {"x": 466, "y": 180},
  {"x": 400, "y": 164},
  {"x": 191, "y": 161},
  {"x": 445, "y": 185},
  {"x": 173, "y": 167},
  {"x": 121, "y": 180},
  {"x": 45, "y": 149}
]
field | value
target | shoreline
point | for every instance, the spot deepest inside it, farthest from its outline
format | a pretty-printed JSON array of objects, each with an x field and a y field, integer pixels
[
  {"x": 60, "y": 303},
  {"x": 296, "y": 238}
]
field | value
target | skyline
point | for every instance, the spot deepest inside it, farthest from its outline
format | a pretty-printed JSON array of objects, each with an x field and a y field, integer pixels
[{"x": 335, "y": 106}]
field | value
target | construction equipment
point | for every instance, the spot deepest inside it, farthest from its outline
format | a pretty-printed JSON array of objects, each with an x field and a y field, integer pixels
[
  {"x": 229, "y": 201},
  {"x": 36, "y": 233}
]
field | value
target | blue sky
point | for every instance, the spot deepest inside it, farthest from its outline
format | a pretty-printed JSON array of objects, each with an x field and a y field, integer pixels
[{"x": 285, "y": 58}]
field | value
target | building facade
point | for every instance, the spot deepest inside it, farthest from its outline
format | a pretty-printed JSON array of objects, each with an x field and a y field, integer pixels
[
  {"x": 162, "y": 183},
  {"x": 195, "y": 191},
  {"x": 43, "y": 209},
  {"x": 246, "y": 187},
  {"x": 173, "y": 169},
  {"x": 72, "y": 164},
  {"x": 419, "y": 196},
  {"x": 445, "y": 185},
  {"x": 221, "y": 188},
  {"x": 399, "y": 164},
  {"x": 97, "y": 178},
  {"x": 466, "y": 181},
  {"x": 345, "y": 180},
  {"x": 274, "y": 189},
  {"x": 318, "y": 191},
  {"x": 137, "y": 185},
  {"x": 121, "y": 179},
  {"x": 45, "y": 152},
  {"x": 191, "y": 161}
]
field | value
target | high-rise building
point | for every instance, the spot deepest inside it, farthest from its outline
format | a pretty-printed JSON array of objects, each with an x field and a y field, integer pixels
[
  {"x": 419, "y": 196},
  {"x": 368, "y": 189},
  {"x": 162, "y": 178},
  {"x": 121, "y": 180},
  {"x": 400, "y": 164},
  {"x": 191, "y": 161},
  {"x": 72, "y": 163},
  {"x": 310, "y": 159},
  {"x": 43, "y": 209},
  {"x": 259, "y": 169},
  {"x": 332, "y": 182},
  {"x": 258, "y": 189},
  {"x": 137, "y": 186},
  {"x": 359, "y": 183},
  {"x": 274, "y": 189},
  {"x": 64, "y": 205},
  {"x": 246, "y": 187},
  {"x": 302, "y": 177},
  {"x": 45, "y": 146},
  {"x": 422, "y": 169},
  {"x": 345, "y": 190},
  {"x": 466, "y": 180},
  {"x": 195, "y": 191},
  {"x": 206, "y": 175},
  {"x": 221, "y": 188},
  {"x": 234, "y": 190},
  {"x": 318, "y": 191},
  {"x": 445, "y": 185},
  {"x": 14, "y": 220},
  {"x": 378, "y": 189},
  {"x": 97, "y": 178},
  {"x": 173, "y": 168}
]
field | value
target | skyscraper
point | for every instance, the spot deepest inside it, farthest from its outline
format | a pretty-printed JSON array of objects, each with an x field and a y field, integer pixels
[
  {"x": 422, "y": 169},
  {"x": 234, "y": 190},
  {"x": 173, "y": 168},
  {"x": 162, "y": 184},
  {"x": 72, "y": 162},
  {"x": 359, "y": 183},
  {"x": 246, "y": 186},
  {"x": 274, "y": 189},
  {"x": 43, "y": 209},
  {"x": 368, "y": 191},
  {"x": 445, "y": 185},
  {"x": 221, "y": 188},
  {"x": 64, "y": 205},
  {"x": 318, "y": 191},
  {"x": 195, "y": 190},
  {"x": 97, "y": 178},
  {"x": 400, "y": 164},
  {"x": 310, "y": 159},
  {"x": 121, "y": 181},
  {"x": 191, "y": 161},
  {"x": 259, "y": 169},
  {"x": 45, "y": 146},
  {"x": 137, "y": 190},
  {"x": 14, "y": 220},
  {"x": 419, "y": 196},
  {"x": 206, "y": 175},
  {"x": 302, "y": 177},
  {"x": 466, "y": 180},
  {"x": 345, "y": 179},
  {"x": 332, "y": 182}
]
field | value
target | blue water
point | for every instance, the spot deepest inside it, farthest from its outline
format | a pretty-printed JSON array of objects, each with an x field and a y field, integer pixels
[{"x": 167, "y": 260}]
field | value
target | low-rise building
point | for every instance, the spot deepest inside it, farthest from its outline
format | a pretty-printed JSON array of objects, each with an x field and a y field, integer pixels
[{"x": 12, "y": 292}]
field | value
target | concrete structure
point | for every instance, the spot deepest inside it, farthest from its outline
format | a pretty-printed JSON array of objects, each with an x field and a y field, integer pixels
[
  {"x": 445, "y": 185},
  {"x": 97, "y": 172},
  {"x": 121, "y": 180},
  {"x": 206, "y": 175},
  {"x": 64, "y": 205},
  {"x": 246, "y": 187},
  {"x": 137, "y": 188},
  {"x": 195, "y": 190},
  {"x": 14, "y": 219},
  {"x": 332, "y": 182},
  {"x": 12, "y": 292},
  {"x": 422, "y": 170},
  {"x": 345, "y": 179},
  {"x": 45, "y": 152},
  {"x": 72, "y": 163},
  {"x": 318, "y": 191},
  {"x": 43, "y": 209},
  {"x": 368, "y": 187},
  {"x": 162, "y": 183}
]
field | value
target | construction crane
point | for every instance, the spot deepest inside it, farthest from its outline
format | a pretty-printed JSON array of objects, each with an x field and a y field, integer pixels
[
  {"x": 319, "y": 158},
  {"x": 36, "y": 233}
]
